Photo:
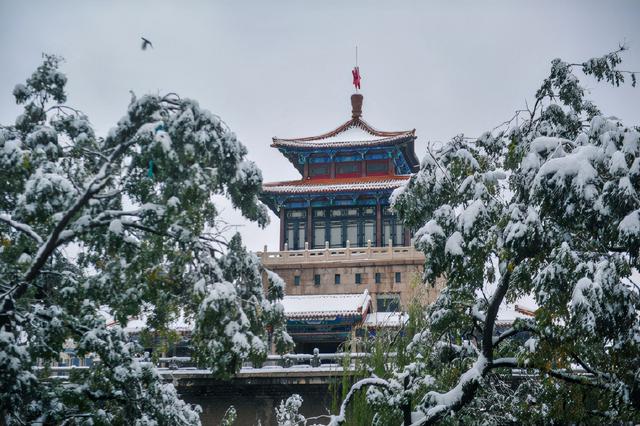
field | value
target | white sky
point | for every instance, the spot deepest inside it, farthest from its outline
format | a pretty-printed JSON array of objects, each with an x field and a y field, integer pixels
[{"x": 284, "y": 68}]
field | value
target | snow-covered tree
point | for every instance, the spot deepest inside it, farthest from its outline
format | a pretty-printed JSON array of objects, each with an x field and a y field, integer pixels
[
  {"x": 545, "y": 206},
  {"x": 287, "y": 412},
  {"x": 125, "y": 224}
]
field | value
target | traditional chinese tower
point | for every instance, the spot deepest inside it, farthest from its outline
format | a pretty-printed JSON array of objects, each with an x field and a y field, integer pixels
[
  {"x": 348, "y": 175},
  {"x": 345, "y": 257}
]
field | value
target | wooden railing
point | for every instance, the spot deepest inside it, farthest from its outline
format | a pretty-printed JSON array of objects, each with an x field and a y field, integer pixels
[{"x": 328, "y": 254}]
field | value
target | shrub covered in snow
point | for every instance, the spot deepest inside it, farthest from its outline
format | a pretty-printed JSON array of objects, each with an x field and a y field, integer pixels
[{"x": 121, "y": 222}]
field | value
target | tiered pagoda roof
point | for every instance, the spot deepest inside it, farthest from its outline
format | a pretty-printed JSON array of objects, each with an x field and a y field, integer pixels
[
  {"x": 354, "y": 133},
  {"x": 355, "y": 140},
  {"x": 337, "y": 185}
]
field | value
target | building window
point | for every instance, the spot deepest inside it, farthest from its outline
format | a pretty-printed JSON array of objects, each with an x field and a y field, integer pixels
[
  {"x": 392, "y": 229},
  {"x": 369, "y": 232},
  {"x": 358, "y": 278},
  {"x": 298, "y": 213},
  {"x": 351, "y": 232},
  {"x": 339, "y": 225},
  {"x": 335, "y": 234},
  {"x": 336, "y": 278},
  {"x": 377, "y": 167},
  {"x": 348, "y": 169},
  {"x": 398, "y": 277},
  {"x": 296, "y": 280},
  {"x": 388, "y": 302},
  {"x": 319, "y": 232},
  {"x": 316, "y": 279},
  {"x": 378, "y": 277},
  {"x": 319, "y": 170},
  {"x": 296, "y": 228}
]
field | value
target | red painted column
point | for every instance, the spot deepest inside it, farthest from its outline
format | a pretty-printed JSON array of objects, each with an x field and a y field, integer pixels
[
  {"x": 282, "y": 229},
  {"x": 309, "y": 238},
  {"x": 378, "y": 224}
]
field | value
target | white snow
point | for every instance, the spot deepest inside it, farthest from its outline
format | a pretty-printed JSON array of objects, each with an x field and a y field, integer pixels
[
  {"x": 470, "y": 215},
  {"x": 353, "y": 185},
  {"x": 630, "y": 225},
  {"x": 576, "y": 166},
  {"x": 115, "y": 226},
  {"x": 352, "y": 134},
  {"x": 442, "y": 401},
  {"x": 386, "y": 319},
  {"x": 454, "y": 244},
  {"x": 428, "y": 231},
  {"x": 326, "y": 305}
]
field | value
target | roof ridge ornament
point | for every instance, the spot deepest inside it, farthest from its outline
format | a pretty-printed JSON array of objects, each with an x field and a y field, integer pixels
[{"x": 356, "y": 106}]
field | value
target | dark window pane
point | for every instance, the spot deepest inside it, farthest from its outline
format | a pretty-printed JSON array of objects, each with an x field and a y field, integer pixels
[
  {"x": 336, "y": 279},
  {"x": 302, "y": 234},
  {"x": 377, "y": 167},
  {"x": 387, "y": 231},
  {"x": 358, "y": 278},
  {"x": 398, "y": 277},
  {"x": 296, "y": 280},
  {"x": 297, "y": 213},
  {"x": 319, "y": 170},
  {"x": 319, "y": 237},
  {"x": 316, "y": 279},
  {"x": 350, "y": 168},
  {"x": 335, "y": 234},
  {"x": 290, "y": 236},
  {"x": 388, "y": 303},
  {"x": 369, "y": 232},
  {"x": 378, "y": 277},
  {"x": 352, "y": 232},
  {"x": 398, "y": 239},
  {"x": 369, "y": 211}
]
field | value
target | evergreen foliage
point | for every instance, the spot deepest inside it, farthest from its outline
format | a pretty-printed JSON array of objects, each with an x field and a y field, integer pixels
[
  {"x": 122, "y": 225},
  {"x": 545, "y": 206}
]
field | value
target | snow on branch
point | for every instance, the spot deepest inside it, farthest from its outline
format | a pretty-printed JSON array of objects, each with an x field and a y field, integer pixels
[
  {"x": 371, "y": 381},
  {"x": 22, "y": 227}
]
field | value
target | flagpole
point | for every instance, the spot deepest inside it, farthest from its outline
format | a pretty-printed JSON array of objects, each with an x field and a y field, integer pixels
[{"x": 356, "y": 63}]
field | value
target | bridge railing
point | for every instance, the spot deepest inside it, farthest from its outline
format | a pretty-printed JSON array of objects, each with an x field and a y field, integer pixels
[
  {"x": 284, "y": 361},
  {"x": 272, "y": 361}
]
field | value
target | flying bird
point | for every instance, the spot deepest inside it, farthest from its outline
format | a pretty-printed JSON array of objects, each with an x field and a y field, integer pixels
[{"x": 146, "y": 43}]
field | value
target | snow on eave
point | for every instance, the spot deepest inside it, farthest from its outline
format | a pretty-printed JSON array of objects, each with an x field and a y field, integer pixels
[
  {"x": 308, "y": 186},
  {"x": 354, "y": 132},
  {"x": 326, "y": 305},
  {"x": 386, "y": 319}
]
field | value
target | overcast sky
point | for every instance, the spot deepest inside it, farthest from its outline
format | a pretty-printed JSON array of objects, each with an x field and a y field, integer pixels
[{"x": 283, "y": 68}]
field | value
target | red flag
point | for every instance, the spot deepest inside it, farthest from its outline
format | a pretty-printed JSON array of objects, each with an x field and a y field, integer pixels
[{"x": 356, "y": 77}]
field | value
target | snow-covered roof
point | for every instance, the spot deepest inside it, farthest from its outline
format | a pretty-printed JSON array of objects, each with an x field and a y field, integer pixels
[
  {"x": 326, "y": 305},
  {"x": 386, "y": 319},
  {"x": 355, "y": 132},
  {"x": 314, "y": 186}
]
